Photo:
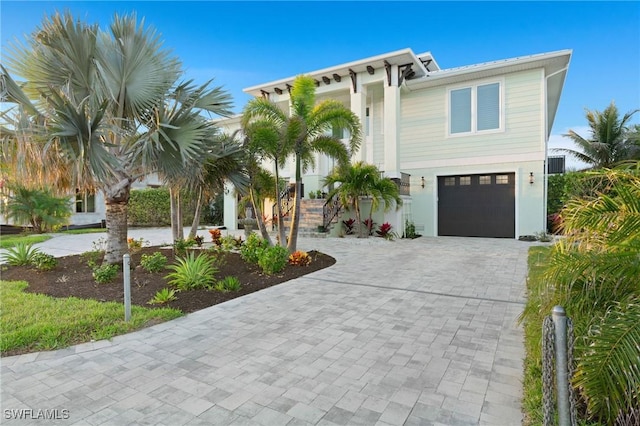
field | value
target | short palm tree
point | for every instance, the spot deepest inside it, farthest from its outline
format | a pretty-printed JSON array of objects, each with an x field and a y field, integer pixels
[
  {"x": 594, "y": 274},
  {"x": 354, "y": 181},
  {"x": 108, "y": 107},
  {"x": 307, "y": 131},
  {"x": 608, "y": 142}
]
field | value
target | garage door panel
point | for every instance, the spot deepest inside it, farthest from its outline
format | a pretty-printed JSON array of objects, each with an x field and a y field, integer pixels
[{"x": 477, "y": 205}]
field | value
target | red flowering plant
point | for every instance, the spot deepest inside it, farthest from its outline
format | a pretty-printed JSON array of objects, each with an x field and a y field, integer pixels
[{"x": 216, "y": 236}]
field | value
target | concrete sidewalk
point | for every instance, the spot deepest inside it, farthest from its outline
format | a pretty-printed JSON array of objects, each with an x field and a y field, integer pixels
[{"x": 410, "y": 332}]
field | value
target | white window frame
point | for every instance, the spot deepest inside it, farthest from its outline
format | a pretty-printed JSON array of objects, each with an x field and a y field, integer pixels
[{"x": 474, "y": 103}]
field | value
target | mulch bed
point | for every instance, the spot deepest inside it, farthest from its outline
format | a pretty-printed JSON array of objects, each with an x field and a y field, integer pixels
[{"x": 72, "y": 277}]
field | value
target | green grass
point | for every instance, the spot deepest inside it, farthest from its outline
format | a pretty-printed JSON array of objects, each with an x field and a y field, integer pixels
[
  {"x": 532, "y": 399},
  {"x": 11, "y": 240},
  {"x": 84, "y": 231},
  {"x": 35, "y": 322}
]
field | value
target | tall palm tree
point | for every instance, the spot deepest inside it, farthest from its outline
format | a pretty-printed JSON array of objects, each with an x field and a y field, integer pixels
[
  {"x": 608, "y": 142},
  {"x": 105, "y": 104},
  {"x": 307, "y": 131},
  {"x": 359, "y": 180}
]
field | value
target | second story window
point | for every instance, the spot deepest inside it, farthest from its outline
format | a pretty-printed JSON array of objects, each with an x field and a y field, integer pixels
[{"x": 474, "y": 109}]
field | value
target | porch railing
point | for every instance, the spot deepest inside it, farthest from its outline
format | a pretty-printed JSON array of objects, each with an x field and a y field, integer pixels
[{"x": 329, "y": 211}]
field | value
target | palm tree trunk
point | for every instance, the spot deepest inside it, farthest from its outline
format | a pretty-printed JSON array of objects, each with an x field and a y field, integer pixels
[
  {"x": 280, "y": 221},
  {"x": 176, "y": 215},
  {"x": 357, "y": 209},
  {"x": 117, "y": 206},
  {"x": 259, "y": 219},
  {"x": 295, "y": 219},
  {"x": 196, "y": 214}
]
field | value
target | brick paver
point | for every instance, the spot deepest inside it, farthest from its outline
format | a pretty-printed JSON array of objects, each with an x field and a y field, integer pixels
[{"x": 407, "y": 332}]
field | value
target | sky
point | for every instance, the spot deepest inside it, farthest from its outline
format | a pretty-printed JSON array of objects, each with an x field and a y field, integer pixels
[{"x": 241, "y": 44}]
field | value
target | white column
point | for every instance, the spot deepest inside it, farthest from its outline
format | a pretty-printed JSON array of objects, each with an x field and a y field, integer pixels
[
  {"x": 230, "y": 207},
  {"x": 391, "y": 128},
  {"x": 359, "y": 108}
]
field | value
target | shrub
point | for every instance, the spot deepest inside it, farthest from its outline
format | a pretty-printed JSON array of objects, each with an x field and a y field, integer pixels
[
  {"x": 230, "y": 242},
  {"x": 44, "y": 261},
  {"x": 20, "y": 254},
  {"x": 151, "y": 207},
  {"x": 38, "y": 208},
  {"x": 105, "y": 273},
  {"x": 252, "y": 248},
  {"x": 216, "y": 236},
  {"x": 348, "y": 226},
  {"x": 92, "y": 257},
  {"x": 231, "y": 283},
  {"x": 155, "y": 262},
  {"x": 273, "y": 259},
  {"x": 300, "y": 258},
  {"x": 163, "y": 296},
  {"x": 192, "y": 272},
  {"x": 410, "y": 230},
  {"x": 134, "y": 244},
  {"x": 384, "y": 230},
  {"x": 198, "y": 240},
  {"x": 369, "y": 225},
  {"x": 181, "y": 245}
]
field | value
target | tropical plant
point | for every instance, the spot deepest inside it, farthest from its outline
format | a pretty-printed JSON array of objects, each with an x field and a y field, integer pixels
[
  {"x": 593, "y": 274},
  {"x": 92, "y": 257},
  {"x": 228, "y": 283},
  {"x": 384, "y": 230},
  {"x": 155, "y": 262},
  {"x": 44, "y": 261},
  {"x": 163, "y": 296},
  {"x": 198, "y": 240},
  {"x": 369, "y": 225},
  {"x": 305, "y": 132},
  {"x": 192, "y": 272},
  {"x": 106, "y": 273},
  {"x": 109, "y": 110},
  {"x": 362, "y": 180},
  {"x": 253, "y": 248},
  {"x": 410, "y": 230},
  {"x": 229, "y": 242},
  {"x": 273, "y": 259},
  {"x": 610, "y": 140},
  {"x": 136, "y": 244},
  {"x": 300, "y": 258},
  {"x": 349, "y": 225},
  {"x": 180, "y": 246},
  {"x": 20, "y": 254},
  {"x": 216, "y": 236},
  {"x": 38, "y": 208}
]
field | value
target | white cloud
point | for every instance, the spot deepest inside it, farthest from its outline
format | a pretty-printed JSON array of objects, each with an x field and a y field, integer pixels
[{"x": 558, "y": 141}]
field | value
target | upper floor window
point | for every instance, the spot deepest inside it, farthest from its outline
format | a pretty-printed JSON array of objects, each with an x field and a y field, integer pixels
[
  {"x": 474, "y": 109},
  {"x": 85, "y": 202}
]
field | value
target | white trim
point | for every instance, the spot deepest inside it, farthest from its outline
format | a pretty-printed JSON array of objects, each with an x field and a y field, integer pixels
[
  {"x": 474, "y": 100},
  {"x": 473, "y": 161}
]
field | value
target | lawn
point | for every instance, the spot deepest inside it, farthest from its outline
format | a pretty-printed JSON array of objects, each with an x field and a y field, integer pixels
[{"x": 8, "y": 241}]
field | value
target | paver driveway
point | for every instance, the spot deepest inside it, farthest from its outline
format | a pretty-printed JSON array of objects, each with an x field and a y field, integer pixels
[{"x": 412, "y": 332}]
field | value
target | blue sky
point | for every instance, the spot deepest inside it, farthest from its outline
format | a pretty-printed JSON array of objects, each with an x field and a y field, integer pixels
[{"x": 242, "y": 44}]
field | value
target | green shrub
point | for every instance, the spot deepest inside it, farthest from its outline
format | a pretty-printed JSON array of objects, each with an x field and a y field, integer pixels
[
  {"x": 151, "y": 207},
  {"x": 44, "y": 261},
  {"x": 230, "y": 242},
  {"x": 92, "y": 257},
  {"x": 105, "y": 273},
  {"x": 155, "y": 262},
  {"x": 38, "y": 208},
  {"x": 20, "y": 254},
  {"x": 229, "y": 283},
  {"x": 273, "y": 259},
  {"x": 181, "y": 245},
  {"x": 163, "y": 296},
  {"x": 253, "y": 248},
  {"x": 192, "y": 272}
]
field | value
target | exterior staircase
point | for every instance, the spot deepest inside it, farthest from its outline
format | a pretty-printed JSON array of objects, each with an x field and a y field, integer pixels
[{"x": 311, "y": 219}]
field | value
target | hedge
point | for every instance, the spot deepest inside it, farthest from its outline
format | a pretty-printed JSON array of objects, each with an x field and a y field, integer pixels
[{"x": 151, "y": 207}]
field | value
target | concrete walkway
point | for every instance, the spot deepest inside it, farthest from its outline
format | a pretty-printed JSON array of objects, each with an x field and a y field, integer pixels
[{"x": 411, "y": 332}]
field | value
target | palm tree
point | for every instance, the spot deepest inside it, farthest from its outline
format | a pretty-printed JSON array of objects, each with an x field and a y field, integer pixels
[
  {"x": 306, "y": 132},
  {"x": 608, "y": 142},
  {"x": 594, "y": 274},
  {"x": 361, "y": 180},
  {"x": 109, "y": 106}
]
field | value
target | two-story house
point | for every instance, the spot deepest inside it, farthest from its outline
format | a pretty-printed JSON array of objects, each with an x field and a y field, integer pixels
[{"x": 468, "y": 145}]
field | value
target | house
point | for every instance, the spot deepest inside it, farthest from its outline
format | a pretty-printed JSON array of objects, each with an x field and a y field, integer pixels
[{"x": 467, "y": 145}]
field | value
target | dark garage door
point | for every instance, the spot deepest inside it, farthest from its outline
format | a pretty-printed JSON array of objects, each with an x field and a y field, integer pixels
[{"x": 477, "y": 205}]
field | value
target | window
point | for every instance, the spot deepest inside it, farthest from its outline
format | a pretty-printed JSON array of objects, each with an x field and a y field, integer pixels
[
  {"x": 85, "y": 202},
  {"x": 474, "y": 109},
  {"x": 450, "y": 181},
  {"x": 485, "y": 180},
  {"x": 502, "y": 179},
  {"x": 465, "y": 180}
]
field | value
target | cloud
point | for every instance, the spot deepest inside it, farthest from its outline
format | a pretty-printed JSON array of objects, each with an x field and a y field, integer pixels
[{"x": 558, "y": 141}]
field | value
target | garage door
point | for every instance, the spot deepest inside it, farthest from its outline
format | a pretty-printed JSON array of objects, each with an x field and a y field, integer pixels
[{"x": 477, "y": 205}]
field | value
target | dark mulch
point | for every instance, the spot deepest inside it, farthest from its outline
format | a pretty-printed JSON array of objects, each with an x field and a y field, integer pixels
[{"x": 72, "y": 277}]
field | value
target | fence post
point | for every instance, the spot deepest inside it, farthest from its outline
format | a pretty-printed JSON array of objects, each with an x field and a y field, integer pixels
[
  {"x": 126, "y": 271},
  {"x": 562, "y": 373}
]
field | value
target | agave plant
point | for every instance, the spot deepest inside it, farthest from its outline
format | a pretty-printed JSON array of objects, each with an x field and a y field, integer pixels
[{"x": 192, "y": 272}]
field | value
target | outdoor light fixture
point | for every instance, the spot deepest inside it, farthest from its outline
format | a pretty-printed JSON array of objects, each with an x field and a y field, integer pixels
[
  {"x": 422, "y": 182},
  {"x": 531, "y": 178}
]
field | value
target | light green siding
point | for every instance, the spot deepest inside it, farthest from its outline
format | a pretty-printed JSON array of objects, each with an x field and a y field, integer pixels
[{"x": 423, "y": 131}]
